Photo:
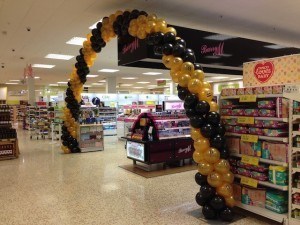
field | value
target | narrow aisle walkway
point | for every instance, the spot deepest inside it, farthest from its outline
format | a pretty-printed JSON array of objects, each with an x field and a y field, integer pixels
[{"x": 44, "y": 186}]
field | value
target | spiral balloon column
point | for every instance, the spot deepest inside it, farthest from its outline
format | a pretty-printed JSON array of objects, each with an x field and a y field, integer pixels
[{"x": 214, "y": 176}]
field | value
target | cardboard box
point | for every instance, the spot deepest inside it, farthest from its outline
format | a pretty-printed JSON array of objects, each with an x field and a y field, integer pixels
[
  {"x": 233, "y": 144},
  {"x": 237, "y": 192},
  {"x": 254, "y": 196},
  {"x": 275, "y": 151},
  {"x": 252, "y": 149},
  {"x": 279, "y": 70}
]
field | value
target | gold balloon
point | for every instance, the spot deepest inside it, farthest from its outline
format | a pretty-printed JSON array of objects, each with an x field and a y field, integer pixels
[
  {"x": 175, "y": 76},
  {"x": 213, "y": 106},
  {"x": 205, "y": 95},
  {"x": 205, "y": 168},
  {"x": 142, "y": 19},
  {"x": 150, "y": 27},
  {"x": 167, "y": 60},
  {"x": 194, "y": 86},
  {"x": 141, "y": 34},
  {"x": 196, "y": 134},
  {"x": 160, "y": 26},
  {"x": 184, "y": 79},
  {"x": 187, "y": 67},
  {"x": 211, "y": 155},
  {"x": 172, "y": 30},
  {"x": 222, "y": 166},
  {"x": 65, "y": 149},
  {"x": 202, "y": 144},
  {"x": 230, "y": 202},
  {"x": 198, "y": 157},
  {"x": 198, "y": 74},
  {"x": 176, "y": 64},
  {"x": 151, "y": 17},
  {"x": 214, "y": 179},
  {"x": 74, "y": 134},
  {"x": 225, "y": 190},
  {"x": 228, "y": 177},
  {"x": 206, "y": 85}
]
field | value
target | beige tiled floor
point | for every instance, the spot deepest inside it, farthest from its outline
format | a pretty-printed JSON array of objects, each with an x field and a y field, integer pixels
[{"x": 44, "y": 186}]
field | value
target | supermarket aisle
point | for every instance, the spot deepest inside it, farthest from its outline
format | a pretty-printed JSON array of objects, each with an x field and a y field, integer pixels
[{"x": 44, "y": 186}]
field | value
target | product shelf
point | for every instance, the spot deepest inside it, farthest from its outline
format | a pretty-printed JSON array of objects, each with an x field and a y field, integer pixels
[
  {"x": 296, "y": 117},
  {"x": 296, "y": 133},
  {"x": 294, "y": 206},
  {"x": 167, "y": 120},
  {"x": 280, "y": 139},
  {"x": 263, "y": 212},
  {"x": 257, "y": 96},
  {"x": 295, "y": 170},
  {"x": 267, "y": 161},
  {"x": 259, "y": 118},
  {"x": 9, "y": 139},
  {"x": 174, "y": 128},
  {"x": 295, "y": 149},
  {"x": 179, "y": 136},
  {"x": 295, "y": 190},
  {"x": 268, "y": 184}
]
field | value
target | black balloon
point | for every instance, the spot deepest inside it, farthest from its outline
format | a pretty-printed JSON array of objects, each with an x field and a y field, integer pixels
[
  {"x": 158, "y": 38},
  {"x": 202, "y": 107},
  {"x": 227, "y": 214},
  {"x": 217, "y": 141},
  {"x": 181, "y": 42},
  {"x": 167, "y": 49},
  {"x": 119, "y": 19},
  {"x": 213, "y": 118},
  {"x": 191, "y": 99},
  {"x": 183, "y": 93},
  {"x": 200, "y": 179},
  {"x": 179, "y": 87},
  {"x": 208, "y": 212},
  {"x": 190, "y": 112},
  {"x": 197, "y": 121},
  {"x": 224, "y": 153},
  {"x": 157, "y": 49},
  {"x": 208, "y": 191},
  {"x": 197, "y": 66},
  {"x": 99, "y": 25},
  {"x": 65, "y": 143},
  {"x": 189, "y": 57},
  {"x": 150, "y": 39},
  {"x": 220, "y": 129},
  {"x": 217, "y": 202},
  {"x": 169, "y": 37},
  {"x": 201, "y": 199},
  {"x": 178, "y": 50},
  {"x": 207, "y": 130}
]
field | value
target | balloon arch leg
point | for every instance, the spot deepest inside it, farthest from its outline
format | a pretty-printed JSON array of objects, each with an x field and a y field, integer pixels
[{"x": 214, "y": 176}]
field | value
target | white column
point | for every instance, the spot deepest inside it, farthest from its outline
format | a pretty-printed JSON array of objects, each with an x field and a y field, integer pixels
[
  {"x": 31, "y": 91},
  {"x": 173, "y": 90},
  {"x": 111, "y": 83}
]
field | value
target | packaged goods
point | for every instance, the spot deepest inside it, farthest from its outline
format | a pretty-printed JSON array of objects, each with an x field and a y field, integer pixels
[
  {"x": 275, "y": 151},
  {"x": 257, "y": 123},
  {"x": 233, "y": 144},
  {"x": 278, "y": 89},
  {"x": 257, "y": 131},
  {"x": 282, "y": 107},
  {"x": 251, "y": 112},
  {"x": 277, "y": 197},
  {"x": 252, "y": 149},
  {"x": 267, "y": 90},
  {"x": 267, "y": 113},
  {"x": 240, "y": 91},
  {"x": 238, "y": 112},
  {"x": 278, "y": 175},
  {"x": 249, "y": 91},
  {"x": 274, "y": 124},
  {"x": 237, "y": 192},
  {"x": 266, "y": 104},
  {"x": 275, "y": 132},
  {"x": 240, "y": 130},
  {"x": 258, "y": 90},
  {"x": 276, "y": 208},
  {"x": 254, "y": 196}
]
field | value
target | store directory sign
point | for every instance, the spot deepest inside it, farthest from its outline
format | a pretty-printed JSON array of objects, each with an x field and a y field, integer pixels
[{"x": 135, "y": 150}]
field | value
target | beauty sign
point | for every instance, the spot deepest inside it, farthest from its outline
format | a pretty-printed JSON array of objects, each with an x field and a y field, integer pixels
[{"x": 173, "y": 105}]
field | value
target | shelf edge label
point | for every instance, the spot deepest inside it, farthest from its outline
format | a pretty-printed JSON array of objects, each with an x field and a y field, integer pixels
[
  {"x": 246, "y": 120},
  {"x": 249, "y": 181},
  {"x": 250, "y": 160},
  {"x": 249, "y": 138},
  {"x": 248, "y": 98}
]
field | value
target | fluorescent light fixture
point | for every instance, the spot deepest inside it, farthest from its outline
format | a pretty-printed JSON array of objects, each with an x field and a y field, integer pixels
[
  {"x": 102, "y": 81},
  {"x": 256, "y": 59},
  {"x": 62, "y": 82},
  {"x": 143, "y": 82},
  {"x": 152, "y": 85},
  {"x": 126, "y": 85},
  {"x": 163, "y": 79},
  {"x": 38, "y": 90},
  {"x": 15, "y": 80},
  {"x": 11, "y": 83},
  {"x": 59, "y": 56},
  {"x": 218, "y": 78},
  {"x": 209, "y": 81},
  {"x": 97, "y": 84},
  {"x": 43, "y": 66},
  {"x": 236, "y": 78},
  {"x": 138, "y": 87},
  {"x": 53, "y": 85},
  {"x": 218, "y": 37},
  {"x": 212, "y": 57},
  {"x": 152, "y": 73},
  {"x": 36, "y": 77},
  {"x": 87, "y": 86},
  {"x": 95, "y": 25},
  {"x": 274, "y": 46},
  {"x": 108, "y": 70},
  {"x": 92, "y": 76},
  {"x": 129, "y": 78},
  {"x": 76, "y": 41}
]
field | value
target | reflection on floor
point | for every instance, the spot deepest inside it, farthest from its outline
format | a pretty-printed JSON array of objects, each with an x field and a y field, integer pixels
[{"x": 44, "y": 186}]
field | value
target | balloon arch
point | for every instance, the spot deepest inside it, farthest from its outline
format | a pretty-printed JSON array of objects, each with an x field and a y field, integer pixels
[{"x": 211, "y": 154}]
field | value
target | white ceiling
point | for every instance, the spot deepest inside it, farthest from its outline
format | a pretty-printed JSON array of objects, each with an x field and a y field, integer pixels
[{"x": 54, "y": 22}]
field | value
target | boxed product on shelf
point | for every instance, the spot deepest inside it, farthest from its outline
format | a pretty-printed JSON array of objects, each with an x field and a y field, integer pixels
[
  {"x": 232, "y": 121},
  {"x": 258, "y": 90},
  {"x": 237, "y": 192},
  {"x": 229, "y": 128},
  {"x": 253, "y": 174},
  {"x": 277, "y": 89},
  {"x": 266, "y": 113},
  {"x": 249, "y": 91},
  {"x": 276, "y": 201},
  {"x": 255, "y": 130},
  {"x": 226, "y": 112},
  {"x": 257, "y": 123},
  {"x": 275, "y": 151},
  {"x": 275, "y": 132},
  {"x": 240, "y": 91},
  {"x": 282, "y": 107},
  {"x": 254, "y": 196},
  {"x": 266, "y": 104},
  {"x": 252, "y": 149},
  {"x": 296, "y": 198},
  {"x": 267, "y": 90},
  {"x": 233, "y": 144},
  {"x": 296, "y": 107},
  {"x": 238, "y": 112},
  {"x": 278, "y": 175},
  {"x": 226, "y": 103},
  {"x": 251, "y": 112},
  {"x": 240, "y": 130},
  {"x": 274, "y": 124}
]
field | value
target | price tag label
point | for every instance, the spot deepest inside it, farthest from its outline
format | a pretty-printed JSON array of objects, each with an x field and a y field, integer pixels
[
  {"x": 249, "y": 138},
  {"x": 248, "y": 98},
  {"x": 249, "y": 181},
  {"x": 246, "y": 120},
  {"x": 250, "y": 160}
]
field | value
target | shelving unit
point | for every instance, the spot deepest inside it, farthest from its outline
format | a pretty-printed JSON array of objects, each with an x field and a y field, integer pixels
[
  {"x": 108, "y": 117},
  {"x": 260, "y": 118},
  {"x": 266, "y": 138},
  {"x": 267, "y": 161},
  {"x": 90, "y": 137}
]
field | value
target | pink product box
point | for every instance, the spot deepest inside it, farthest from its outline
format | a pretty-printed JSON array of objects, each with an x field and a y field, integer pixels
[
  {"x": 240, "y": 130},
  {"x": 278, "y": 89},
  {"x": 267, "y": 90},
  {"x": 266, "y": 113},
  {"x": 249, "y": 91},
  {"x": 226, "y": 112},
  {"x": 274, "y": 124},
  {"x": 257, "y": 131},
  {"x": 275, "y": 132},
  {"x": 258, "y": 90},
  {"x": 266, "y": 104},
  {"x": 240, "y": 91},
  {"x": 257, "y": 123},
  {"x": 232, "y": 91},
  {"x": 282, "y": 107},
  {"x": 238, "y": 112},
  {"x": 251, "y": 112},
  {"x": 275, "y": 151}
]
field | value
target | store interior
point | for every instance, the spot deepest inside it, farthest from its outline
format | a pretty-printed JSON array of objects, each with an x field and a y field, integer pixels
[{"x": 150, "y": 146}]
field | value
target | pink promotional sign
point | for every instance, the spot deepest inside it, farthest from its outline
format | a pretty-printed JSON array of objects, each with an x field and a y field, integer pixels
[{"x": 173, "y": 105}]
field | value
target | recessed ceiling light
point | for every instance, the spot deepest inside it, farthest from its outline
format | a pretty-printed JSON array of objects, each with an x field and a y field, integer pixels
[
  {"x": 36, "y": 77},
  {"x": 59, "y": 56},
  {"x": 108, "y": 70},
  {"x": 76, "y": 41},
  {"x": 126, "y": 85},
  {"x": 218, "y": 78},
  {"x": 219, "y": 37},
  {"x": 274, "y": 46},
  {"x": 92, "y": 76},
  {"x": 15, "y": 80},
  {"x": 143, "y": 82},
  {"x": 95, "y": 25},
  {"x": 43, "y": 66},
  {"x": 97, "y": 84},
  {"x": 62, "y": 82},
  {"x": 53, "y": 85},
  {"x": 163, "y": 79},
  {"x": 129, "y": 78},
  {"x": 236, "y": 78},
  {"x": 152, "y": 73},
  {"x": 10, "y": 83},
  {"x": 138, "y": 87}
]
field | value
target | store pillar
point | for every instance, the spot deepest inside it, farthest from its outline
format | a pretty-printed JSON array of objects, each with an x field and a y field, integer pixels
[
  {"x": 31, "y": 91},
  {"x": 172, "y": 88},
  {"x": 111, "y": 83}
]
